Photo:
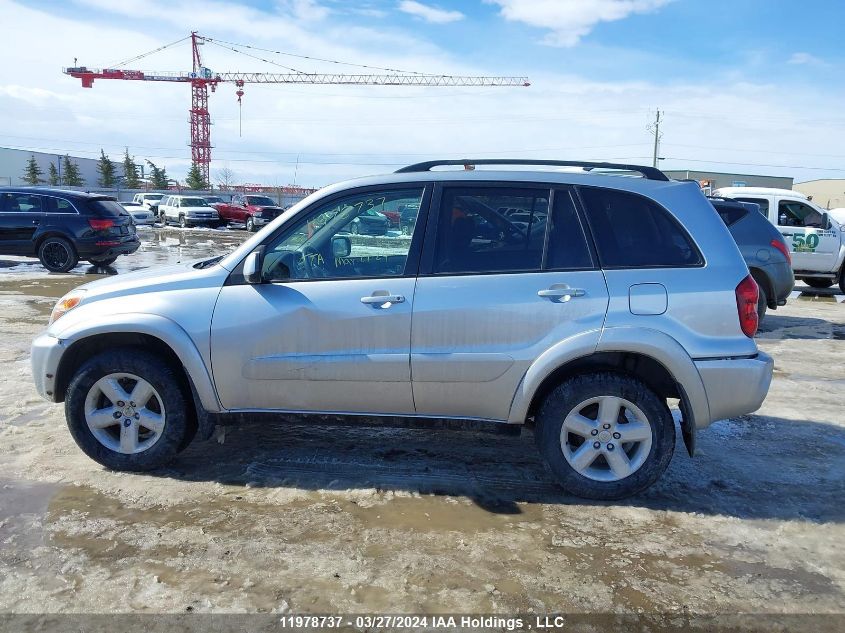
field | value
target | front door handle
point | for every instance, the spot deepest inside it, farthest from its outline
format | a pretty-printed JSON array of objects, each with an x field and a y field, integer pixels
[
  {"x": 562, "y": 292},
  {"x": 382, "y": 299}
]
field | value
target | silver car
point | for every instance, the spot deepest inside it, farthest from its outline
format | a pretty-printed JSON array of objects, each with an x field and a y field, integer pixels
[{"x": 625, "y": 293}]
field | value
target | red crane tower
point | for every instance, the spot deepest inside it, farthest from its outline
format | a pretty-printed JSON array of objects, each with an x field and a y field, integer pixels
[{"x": 201, "y": 78}]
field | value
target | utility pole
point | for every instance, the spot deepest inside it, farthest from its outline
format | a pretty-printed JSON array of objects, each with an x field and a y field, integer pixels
[{"x": 655, "y": 129}]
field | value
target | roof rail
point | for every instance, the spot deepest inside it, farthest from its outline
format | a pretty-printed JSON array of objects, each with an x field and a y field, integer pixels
[{"x": 652, "y": 173}]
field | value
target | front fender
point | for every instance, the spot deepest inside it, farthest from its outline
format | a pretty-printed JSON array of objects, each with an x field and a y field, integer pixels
[{"x": 160, "y": 327}]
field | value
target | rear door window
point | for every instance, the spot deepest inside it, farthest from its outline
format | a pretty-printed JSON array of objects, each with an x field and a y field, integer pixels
[
  {"x": 632, "y": 231},
  {"x": 59, "y": 205},
  {"x": 567, "y": 244},
  {"x": 474, "y": 236}
]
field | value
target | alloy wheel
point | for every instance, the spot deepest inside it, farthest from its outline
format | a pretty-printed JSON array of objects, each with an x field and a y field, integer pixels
[
  {"x": 606, "y": 438},
  {"x": 125, "y": 413}
]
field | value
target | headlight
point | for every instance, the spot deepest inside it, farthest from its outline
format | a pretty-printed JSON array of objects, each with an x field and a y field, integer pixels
[{"x": 66, "y": 304}]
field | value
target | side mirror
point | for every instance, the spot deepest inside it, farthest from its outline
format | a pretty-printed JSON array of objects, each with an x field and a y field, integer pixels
[
  {"x": 826, "y": 223},
  {"x": 253, "y": 264},
  {"x": 341, "y": 246}
]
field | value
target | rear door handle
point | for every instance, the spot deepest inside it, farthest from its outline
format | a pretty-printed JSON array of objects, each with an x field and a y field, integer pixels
[
  {"x": 561, "y": 291},
  {"x": 382, "y": 300}
]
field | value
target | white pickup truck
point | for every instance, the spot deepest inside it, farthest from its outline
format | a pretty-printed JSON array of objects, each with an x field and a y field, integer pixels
[{"x": 817, "y": 244}]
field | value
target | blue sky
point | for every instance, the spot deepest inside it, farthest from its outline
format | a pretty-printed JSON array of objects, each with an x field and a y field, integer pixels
[{"x": 747, "y": 86}]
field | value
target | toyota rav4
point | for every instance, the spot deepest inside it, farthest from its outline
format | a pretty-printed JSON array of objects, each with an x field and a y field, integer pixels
[{"x": 614, "y": 298}]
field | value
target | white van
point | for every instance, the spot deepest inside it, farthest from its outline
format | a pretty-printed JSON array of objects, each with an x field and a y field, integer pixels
[{"x": 816, "y": 243}]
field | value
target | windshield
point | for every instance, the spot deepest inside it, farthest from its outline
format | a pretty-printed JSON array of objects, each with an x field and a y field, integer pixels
[
  {"x": 262, "y": 201},
  {"x": 193, "y": 202}
]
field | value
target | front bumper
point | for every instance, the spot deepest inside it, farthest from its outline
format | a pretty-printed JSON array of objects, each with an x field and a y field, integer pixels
[
  {"x": 735, "y": 386},
  {"x": 46, "y": 353}
]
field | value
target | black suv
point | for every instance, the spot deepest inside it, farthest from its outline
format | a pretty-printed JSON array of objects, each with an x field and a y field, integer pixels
[{"x": 61, "y": 227}]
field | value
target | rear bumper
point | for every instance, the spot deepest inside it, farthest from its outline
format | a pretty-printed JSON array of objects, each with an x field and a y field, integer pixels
[
  {"x": 90, "y": 249},
  {"x": 735, "y": 386},
  {"x": 46, "y": 353}
]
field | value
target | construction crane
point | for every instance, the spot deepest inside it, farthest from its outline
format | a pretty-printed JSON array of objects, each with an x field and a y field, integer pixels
[{"x": 202, "y": 78}]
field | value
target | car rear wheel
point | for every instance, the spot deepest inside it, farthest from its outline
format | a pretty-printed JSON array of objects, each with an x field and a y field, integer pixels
[
  {"x": 126, "y": 410},
  {"x": 57, "y": 255},
  {"x": 762, "y": 303},
  {"x": 842, "y": 279},
  {"x": 250, "y": 224},
  {"x": 604, "y": 435},
  {"x": 816, "y": 282}
]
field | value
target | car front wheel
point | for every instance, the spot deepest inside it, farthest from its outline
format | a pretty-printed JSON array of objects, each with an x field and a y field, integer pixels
[
  {"x": 818, "y": 282},
  {"x": 108, "y": 261},
  {"x": 250, "y": 224},
  {"x": 126, "y": 410},
  {"x": 604, "y": 435}
]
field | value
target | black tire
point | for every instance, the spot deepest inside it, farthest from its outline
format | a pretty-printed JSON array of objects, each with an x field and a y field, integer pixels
[
  {"x": 762, "y": 303},
  {"x": 817, "y": 282},
  {"x": 178, "y": 429},
  {"x": 183, "y": 222},
  {"x": 559, "y": 402},
  {"x": 250, "y": 224},
  {"x": 57, "y": 255},
  {"x": 108, "y": 261},
  {"x": 842, "y": 279}
]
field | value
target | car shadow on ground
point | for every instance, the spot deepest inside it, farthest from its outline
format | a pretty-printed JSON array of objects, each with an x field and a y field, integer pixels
[
  {"x": 754, "y": 468},
  {"x": 781, "y": 326}
]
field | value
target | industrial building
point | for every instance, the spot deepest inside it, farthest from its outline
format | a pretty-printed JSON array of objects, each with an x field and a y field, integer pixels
[
  {"x": 13, "y": 164},
  {"x": 826, "y": 192},
  {"x": 712, "y": 180}
]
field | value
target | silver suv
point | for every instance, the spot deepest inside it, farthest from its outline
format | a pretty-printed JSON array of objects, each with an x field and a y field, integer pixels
[{"x": 610, "y": 296}]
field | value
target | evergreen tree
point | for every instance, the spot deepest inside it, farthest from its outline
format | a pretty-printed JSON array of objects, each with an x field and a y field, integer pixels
[
  {"x": 72, "y": 176},
  {"x": 131, "y": 179},
  {"x": 194, "y": 179},
  {"x": 32, "y": 173},
  {"x": 53, "y": 175},
  {"x": 106, "y": 169},
  {"x": 158, "y": 176}
]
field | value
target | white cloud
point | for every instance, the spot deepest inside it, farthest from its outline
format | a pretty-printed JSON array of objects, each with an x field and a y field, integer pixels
[
  {"x": 570, "y": 20},
  {"x": 805, "y": 59},
  {"x": 429, "y": 13}
]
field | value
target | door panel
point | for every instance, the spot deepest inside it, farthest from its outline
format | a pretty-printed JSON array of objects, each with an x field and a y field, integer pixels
[
  {"x": 329, "y": 329},
  {"x": 474, "y": 336},
  {"x": 20, "y": 217},
  {"x": 813, "y": 247},
  {"x": 313, "y": 346}
]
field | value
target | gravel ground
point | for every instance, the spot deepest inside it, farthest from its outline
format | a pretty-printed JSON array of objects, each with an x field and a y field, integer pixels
[{"x": 299, "y": 517}]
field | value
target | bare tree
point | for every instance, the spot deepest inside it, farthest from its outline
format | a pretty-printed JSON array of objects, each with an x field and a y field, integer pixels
[{"x": 225, "y": 178}]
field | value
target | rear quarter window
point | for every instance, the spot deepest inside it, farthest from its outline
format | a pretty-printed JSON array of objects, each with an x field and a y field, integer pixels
[{"x": 632, "y": 231}]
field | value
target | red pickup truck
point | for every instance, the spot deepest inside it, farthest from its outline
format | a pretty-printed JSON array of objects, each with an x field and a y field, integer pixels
[{"x": 253, "y": 211}]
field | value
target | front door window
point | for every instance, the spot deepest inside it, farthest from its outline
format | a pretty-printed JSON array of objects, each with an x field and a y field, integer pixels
[{"x": 348, "y": 238}]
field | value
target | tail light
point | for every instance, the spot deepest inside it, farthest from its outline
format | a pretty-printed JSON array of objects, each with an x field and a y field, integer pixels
[
  {"x": 778, "y": 244},
  {"x": 101, "y": 225},
  {"x": 747, "y": 294}
]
